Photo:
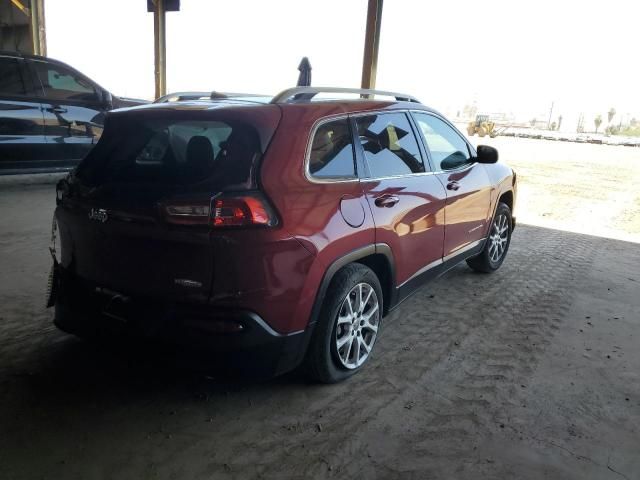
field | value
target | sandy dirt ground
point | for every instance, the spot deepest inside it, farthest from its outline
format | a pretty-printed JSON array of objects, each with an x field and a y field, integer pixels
[{"x": 532, "y": 372}]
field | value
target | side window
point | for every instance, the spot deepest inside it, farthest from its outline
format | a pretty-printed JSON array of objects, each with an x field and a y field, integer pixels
[
  {"x": 332, "y": 151},
  {"x": 448, "y": 149},
  {"x": 389, "y": 144},
  {"x": 59, "y": 83},
  {"x": 11, "y": 81}
]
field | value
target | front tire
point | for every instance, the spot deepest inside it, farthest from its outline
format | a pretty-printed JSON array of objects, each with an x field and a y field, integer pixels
[
  {"x": 497, "y": 243},
  {"x": 348, "y": 326}
]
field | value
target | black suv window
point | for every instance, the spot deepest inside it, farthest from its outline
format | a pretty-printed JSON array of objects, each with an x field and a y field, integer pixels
[
  {"x": 448, "y": 149},
  {"x": 331, "y": 153},
  {"x": 60, "y": 83},
  {"x": 11, "y": 82},
  {"x": 390, "y": 147}
]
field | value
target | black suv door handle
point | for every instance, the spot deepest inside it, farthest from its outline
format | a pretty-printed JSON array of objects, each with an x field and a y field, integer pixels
[
  {"x": 57, "y": 110},
  {"x": 453, "y": 185},
  {"x": 386, "y": 201}
]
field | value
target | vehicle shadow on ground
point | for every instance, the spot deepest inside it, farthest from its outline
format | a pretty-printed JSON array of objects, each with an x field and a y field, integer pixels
[{"x": 116, "y": 365}]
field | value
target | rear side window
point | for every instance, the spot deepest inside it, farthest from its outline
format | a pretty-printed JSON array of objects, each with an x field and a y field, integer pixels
[
  {"x": 331, "y": 153},
  {"x": 390, "y": 147},
  {"x": 448, "y": 149},
  {"x": 174, "y": 153},
  {"x": 60, "y": 83},
  {"x": 11, "y": 82}
]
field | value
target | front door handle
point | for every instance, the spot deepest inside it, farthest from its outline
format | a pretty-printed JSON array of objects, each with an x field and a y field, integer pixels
[
  {"x": 387, "y": 201},
  {"x": 453, "y": 185},
  {"x": 57, "y": 110}
]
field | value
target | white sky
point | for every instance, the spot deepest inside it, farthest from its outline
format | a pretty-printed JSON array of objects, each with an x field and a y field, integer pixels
[{"x": 509, "y": 56}]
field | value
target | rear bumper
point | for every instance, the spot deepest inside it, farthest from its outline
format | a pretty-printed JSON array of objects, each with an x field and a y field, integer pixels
[{"x": 238, "y": 336}]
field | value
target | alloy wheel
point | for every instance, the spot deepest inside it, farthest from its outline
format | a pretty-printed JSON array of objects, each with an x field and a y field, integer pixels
[
  {"x": 357, "y": 325},
  {"x": 498, "y": 238}
]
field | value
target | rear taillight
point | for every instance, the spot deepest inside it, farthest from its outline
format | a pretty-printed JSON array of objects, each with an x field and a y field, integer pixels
[
  {"x": 241, "y": 210},
  {"x": 246, "y": 209},
  {"x": 188, "y": 213}
]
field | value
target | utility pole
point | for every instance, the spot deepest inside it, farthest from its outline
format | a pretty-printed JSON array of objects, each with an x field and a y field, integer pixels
[
  {"x": 371, "y": 44},
  {"x": 550, "y": 113}
]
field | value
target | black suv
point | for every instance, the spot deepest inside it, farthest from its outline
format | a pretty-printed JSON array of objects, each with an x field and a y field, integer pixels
[{"x": 51, "y": 115}]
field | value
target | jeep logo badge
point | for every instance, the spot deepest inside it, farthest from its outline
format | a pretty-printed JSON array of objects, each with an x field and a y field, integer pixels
[{"x": 98, "y": 214}]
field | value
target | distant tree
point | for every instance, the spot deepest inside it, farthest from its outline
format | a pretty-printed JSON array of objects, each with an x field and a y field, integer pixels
[
  {"x": 613, "y": 129},
  {"x": 610, "y": 114},
  {"x": 553, "y": 125},
  {"x": 533, "y": 122},
  {"x": 559, "y": 122},
  {"x": 597, "y": 122}
]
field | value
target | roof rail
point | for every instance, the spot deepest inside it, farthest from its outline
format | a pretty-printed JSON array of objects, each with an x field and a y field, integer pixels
[
  {"x": 185, "y": 96},
  {"x": 181, "y": 96},
  {"x": 307, "y": 93},
  {"x": 216, "y": 95}
]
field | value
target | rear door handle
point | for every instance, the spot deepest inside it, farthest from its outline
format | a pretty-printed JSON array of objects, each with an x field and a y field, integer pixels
[
  {"x": 453, "y": 185},
  {"x": 387, "y": 201},
  {"x": 57, "y": 110}
]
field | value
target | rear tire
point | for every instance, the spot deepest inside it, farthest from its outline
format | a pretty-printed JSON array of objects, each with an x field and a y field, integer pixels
[
  {"x": 348, "y": 326},
  {"x": 497, "y": 243}
]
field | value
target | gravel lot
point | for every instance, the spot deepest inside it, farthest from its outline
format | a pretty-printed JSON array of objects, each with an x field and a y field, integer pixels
[{"x": 533, "y": 372}]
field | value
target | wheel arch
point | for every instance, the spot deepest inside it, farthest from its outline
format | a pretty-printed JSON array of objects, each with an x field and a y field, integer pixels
[
  {"x": 507, "y": 198},
  {"x": 382, "y": 267},
  {"x": 377, "y": 257}
]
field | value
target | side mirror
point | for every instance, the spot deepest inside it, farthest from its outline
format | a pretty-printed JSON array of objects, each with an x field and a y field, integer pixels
[{"x": 486, "y": 154}]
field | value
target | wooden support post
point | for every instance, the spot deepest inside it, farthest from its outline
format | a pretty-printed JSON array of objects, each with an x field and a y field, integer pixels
[
  {"x": 38, "y": 31},
  {"x": 160, "y": 48},
  {"x": 371, "y": 44}
]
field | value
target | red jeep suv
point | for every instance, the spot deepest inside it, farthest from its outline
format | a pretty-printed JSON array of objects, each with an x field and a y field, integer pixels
[{"x": 282, "y": 227}]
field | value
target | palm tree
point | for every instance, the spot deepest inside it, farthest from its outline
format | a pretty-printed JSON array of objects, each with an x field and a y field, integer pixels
[
  {"x": 597, "y": 121},
  {"x": 611, "y": 114}
]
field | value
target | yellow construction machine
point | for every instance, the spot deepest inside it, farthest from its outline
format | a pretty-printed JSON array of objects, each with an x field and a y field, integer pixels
[{"x": 482, "y": 126}]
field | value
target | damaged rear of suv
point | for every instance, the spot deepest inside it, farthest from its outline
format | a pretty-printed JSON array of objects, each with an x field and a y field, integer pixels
[{"x": 278, "y": 229}]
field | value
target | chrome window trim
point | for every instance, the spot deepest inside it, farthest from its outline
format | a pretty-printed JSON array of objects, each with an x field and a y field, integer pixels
[
  {"x": 462, "y": 168},
  {"x": 418, "y": 140},
  {"x": 375, "y": 179},
  {"x": 339, "y": 116},
  {"x": 307, "y": 156}
]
